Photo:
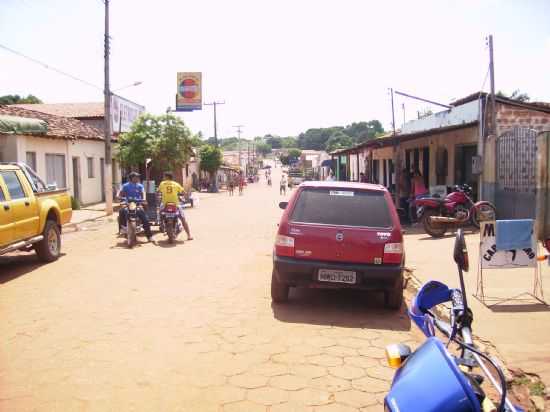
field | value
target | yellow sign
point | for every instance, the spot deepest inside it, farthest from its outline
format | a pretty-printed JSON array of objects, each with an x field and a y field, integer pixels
[{"x": 189, "y": 91}]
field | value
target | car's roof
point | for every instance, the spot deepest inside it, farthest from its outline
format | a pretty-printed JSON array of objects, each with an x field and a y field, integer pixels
[{"x": 344, "y": 185}]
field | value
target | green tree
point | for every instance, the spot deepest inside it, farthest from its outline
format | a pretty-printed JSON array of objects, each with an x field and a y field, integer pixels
[
  {"x": 516, "y": 95},
  {"x": 211, "y": 159},
  {"x": 263, "y": 148},
  {"x": 292, "y": 155},
  {"x": 339, "y": 140},
  {"x": 164, "y": 139},
  {"x": 16, "y": 99},
  {"x": 274, "y": 141},
  {"x": 289, "y": 142}
]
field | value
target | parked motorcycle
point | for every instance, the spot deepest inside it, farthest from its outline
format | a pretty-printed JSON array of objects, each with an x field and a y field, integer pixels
[
  {"x": 456, "y": 209},
  {"x": 170, "y": 222},
  {"x": 133, "y": 224},
  {"x": 434, "y": 379}
]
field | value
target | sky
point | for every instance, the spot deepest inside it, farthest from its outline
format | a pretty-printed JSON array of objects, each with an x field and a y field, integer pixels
[{"x": 280, "y": 66}]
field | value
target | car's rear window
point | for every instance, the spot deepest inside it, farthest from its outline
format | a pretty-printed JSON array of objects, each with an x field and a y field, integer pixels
[{"x": 342, "y": 207}]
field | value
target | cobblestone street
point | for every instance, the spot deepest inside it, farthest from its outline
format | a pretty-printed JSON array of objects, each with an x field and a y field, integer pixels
[{"x": 188, "y": 327}]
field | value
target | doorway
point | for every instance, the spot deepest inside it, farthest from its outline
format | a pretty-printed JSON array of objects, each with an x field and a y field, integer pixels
[
  {"x": 463, "y": 167},
  {"x": 102, "y": 172},
  {"x": 76, "y": 179}
]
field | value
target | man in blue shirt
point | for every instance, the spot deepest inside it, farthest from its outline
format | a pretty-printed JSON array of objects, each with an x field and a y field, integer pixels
[{"x": 133, "y": 190}]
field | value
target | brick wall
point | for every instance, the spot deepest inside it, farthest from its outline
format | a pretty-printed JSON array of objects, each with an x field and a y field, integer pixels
[{"x": 509, "y": 116}]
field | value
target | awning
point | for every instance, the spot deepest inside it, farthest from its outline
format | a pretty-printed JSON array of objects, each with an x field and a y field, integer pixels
[
  {"x": 326, "y": 163},
  {"x": 22, "y": 125}
]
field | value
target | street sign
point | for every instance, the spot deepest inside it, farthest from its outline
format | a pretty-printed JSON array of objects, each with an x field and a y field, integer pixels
[{"x": 189, "y": 91}]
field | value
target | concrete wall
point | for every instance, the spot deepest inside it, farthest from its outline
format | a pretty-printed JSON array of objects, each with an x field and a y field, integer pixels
[
  {"x": 509, "y": 117},
  {"x": 8, "y": 147},
  {"x": 16, "y": 147}
]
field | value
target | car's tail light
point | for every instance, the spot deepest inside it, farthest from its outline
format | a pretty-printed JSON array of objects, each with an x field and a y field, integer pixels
[
  {"x": 393, "y": 252},
  {"x": 284, "y": 245}
]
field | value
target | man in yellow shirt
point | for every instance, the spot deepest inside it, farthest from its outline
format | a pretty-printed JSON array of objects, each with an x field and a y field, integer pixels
[{"x": 170, "y": 191}]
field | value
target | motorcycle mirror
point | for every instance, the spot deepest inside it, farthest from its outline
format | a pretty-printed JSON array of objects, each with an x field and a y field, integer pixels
[{"x": 461, "y": 252}]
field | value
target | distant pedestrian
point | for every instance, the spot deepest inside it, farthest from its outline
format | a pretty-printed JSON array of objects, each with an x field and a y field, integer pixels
[
  {"x": 363, "y": 178},
  {"x": 241, "y": 183},
  {"x": 331, "y": 177},
  {"x": 283, "y": 185},
  {"x": 230, "y": 184}
]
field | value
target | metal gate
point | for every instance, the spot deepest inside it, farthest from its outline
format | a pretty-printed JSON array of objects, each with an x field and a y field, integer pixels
[{"x": 516, "y": 174}]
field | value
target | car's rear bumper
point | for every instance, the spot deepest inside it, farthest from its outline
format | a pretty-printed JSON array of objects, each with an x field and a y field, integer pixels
[{"x": 302, "y": 272}]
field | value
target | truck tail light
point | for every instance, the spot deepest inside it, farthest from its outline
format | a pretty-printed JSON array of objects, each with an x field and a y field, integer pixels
[
  {"x": 284, "y": 245},
  {"x": 393, "y": 252}
]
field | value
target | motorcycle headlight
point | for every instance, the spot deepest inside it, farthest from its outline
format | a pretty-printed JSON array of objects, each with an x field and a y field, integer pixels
[
  {"x": 132, "y": 206},
  {"x": 396, "y": 354}
]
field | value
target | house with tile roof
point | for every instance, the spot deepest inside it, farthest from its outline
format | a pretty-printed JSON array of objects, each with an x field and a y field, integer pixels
[{"x": 65, "y": 151}]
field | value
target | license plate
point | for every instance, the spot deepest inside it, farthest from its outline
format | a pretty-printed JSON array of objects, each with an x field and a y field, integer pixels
[{"x": 336, "y": 276}]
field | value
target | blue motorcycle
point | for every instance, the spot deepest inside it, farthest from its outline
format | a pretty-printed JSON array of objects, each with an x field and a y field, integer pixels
[{"x": 434, "y": 379}]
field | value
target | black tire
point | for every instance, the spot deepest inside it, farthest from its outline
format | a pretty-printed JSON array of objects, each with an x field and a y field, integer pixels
[
  {"x": 437, "y": 230},
  {"x": 279, "y": 291},
  {"x": 49, "y": 248},
  {"x": 485, "y": 208},
  {"x": 394, "y": 296},
  {"x": 131, "y": 234},
  {"x": 170, "y": 231}
]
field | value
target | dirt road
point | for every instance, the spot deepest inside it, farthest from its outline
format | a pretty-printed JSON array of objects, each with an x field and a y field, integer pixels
[{"x": 188, "y": 327}]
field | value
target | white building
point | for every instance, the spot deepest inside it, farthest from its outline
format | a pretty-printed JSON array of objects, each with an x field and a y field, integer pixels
[{"x": 66, "y": 152}]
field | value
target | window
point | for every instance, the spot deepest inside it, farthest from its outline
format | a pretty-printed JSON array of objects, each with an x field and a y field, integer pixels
[
  {"x": 14, "y": 185},
  {"x": 55, "y": 170},
  {"x": 31, "y": 160},
  {"x": 91, "y": 173},
  {"x": 342, "y": 208}
]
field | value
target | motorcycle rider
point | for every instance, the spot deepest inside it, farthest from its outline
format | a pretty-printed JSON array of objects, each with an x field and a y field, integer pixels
[
  {"x": 171, "y": 191},
  {"x": 134, "y": 190}
]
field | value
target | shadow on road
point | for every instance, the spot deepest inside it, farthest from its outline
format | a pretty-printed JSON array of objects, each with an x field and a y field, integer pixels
[
  {"x": 166, "y": 244},
  {"x": 343, "y": 308},
  {"x": 13, "y": 266}
]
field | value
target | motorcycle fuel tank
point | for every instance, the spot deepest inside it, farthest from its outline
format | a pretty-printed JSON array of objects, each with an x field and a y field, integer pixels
[{"x": 430, "y": 381}]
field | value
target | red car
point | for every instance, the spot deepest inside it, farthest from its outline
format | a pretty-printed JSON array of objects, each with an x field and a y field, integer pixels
[{"x": 339, "y": 235}]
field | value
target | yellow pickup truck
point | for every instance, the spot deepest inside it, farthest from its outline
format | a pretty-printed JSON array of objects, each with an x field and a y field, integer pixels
[{"x": 31, "y": 213}]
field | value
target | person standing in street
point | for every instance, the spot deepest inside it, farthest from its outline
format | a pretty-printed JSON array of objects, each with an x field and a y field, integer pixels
[
  {"x": 171, "y": 192},
  {"x": 283, "y": 185},
  {"x": 241, "y": 183},
  {"x": 330, "y": 177},
  {"x": 230, "y": 184}
]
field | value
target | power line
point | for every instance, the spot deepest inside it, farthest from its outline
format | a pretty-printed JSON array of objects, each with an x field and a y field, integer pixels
[{"x": 47, "y": 66}]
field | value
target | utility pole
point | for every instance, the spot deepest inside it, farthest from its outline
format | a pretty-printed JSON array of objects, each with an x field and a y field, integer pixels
[
  {"x": 392, "y": 112},
  {"x": 215, "y": 104},
  {"x": 108, "y": 171},
  {"x": 492, "y": 75},
  {"x": 238, "y": 127}
]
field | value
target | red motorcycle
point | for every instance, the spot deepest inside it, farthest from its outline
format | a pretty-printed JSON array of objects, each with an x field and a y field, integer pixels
[{"x": 456, "y": 209}]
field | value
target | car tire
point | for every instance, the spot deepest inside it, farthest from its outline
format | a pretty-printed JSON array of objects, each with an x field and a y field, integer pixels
[
  {"x": 279, "y": 291},
  {"x": 49, "y": 248},
  {"x": 394, "y": 296}
]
